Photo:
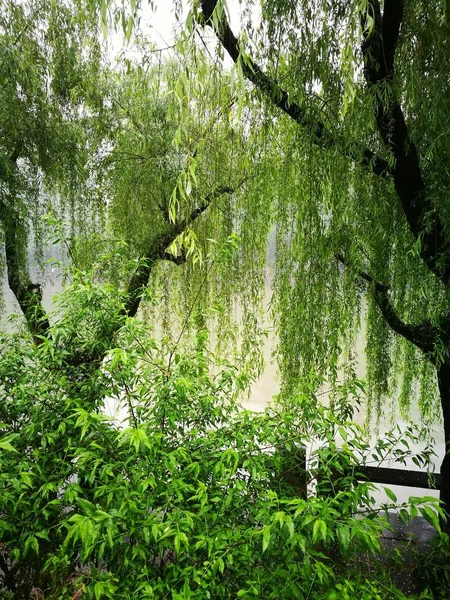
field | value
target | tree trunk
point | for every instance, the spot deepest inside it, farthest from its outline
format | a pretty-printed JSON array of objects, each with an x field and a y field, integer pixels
[{"x": 444, "y": 389}]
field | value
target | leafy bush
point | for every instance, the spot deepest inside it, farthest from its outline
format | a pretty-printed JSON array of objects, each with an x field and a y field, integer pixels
[
  {"x": 189, "y": 497},
  {"x": 435, "y": 568}
]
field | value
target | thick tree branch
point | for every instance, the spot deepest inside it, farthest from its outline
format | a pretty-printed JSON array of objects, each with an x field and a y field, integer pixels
[
  {"x": 27, "y": 293},
  {"x": 280, "y": 98},
  {"x": 158, "y": 251},
  {"x": 390, "y": 25},
  {"x": 424, "y": 335},
  {"x": 378, "y": 51},
  {"x": 180, "y": 259},
  {"x": 138, "y": 283}
]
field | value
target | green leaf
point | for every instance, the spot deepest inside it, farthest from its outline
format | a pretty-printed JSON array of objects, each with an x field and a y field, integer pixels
[
  {"x": 266, "y": 538},
  {"x": 343, "y": 535},
  {"x": 104, "y": 17},
  {"x": 31, "y": 544},
  {"x": 5, "y": 445},
  {"x": 390, "y": 494},
  {"x": 44, "y": 534},
  {"x": 431, "y": 516},
  {"x": 319, "y": 530}
]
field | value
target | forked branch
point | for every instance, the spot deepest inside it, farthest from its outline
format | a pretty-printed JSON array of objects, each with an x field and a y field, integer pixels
[
  {"x": 378, "y": 49},
  {"x": 158, "y": 251}
]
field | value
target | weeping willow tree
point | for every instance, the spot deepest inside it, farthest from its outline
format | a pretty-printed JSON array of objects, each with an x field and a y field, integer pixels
[
  {"x": 51, "y": 105},
  {"x": 356, "y": 99},
  {"x": 346, "y": 158},
  {"x": 131, "y": 154},
  {"x": 177, "y": 181}
]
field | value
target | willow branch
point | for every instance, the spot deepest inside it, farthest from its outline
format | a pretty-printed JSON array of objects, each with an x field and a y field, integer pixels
[
  {"x": 378, "y": 51},
  {"x": 423, "y": 336},
  {"x": 158, "y": 251},
  {"x": 280, "y": 97}
]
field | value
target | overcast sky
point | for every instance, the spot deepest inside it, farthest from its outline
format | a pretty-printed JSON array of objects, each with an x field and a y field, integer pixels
[
  {"x": 163, "y": 23},
  {"x": 161, "y": 27}
]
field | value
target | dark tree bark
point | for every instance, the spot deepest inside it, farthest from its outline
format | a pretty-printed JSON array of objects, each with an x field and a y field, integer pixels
[
  {"x": 423, "y": 335},
  {"x": 27, "y": 293},
  {"x": 378, "y": 51},
  {"x": 158, "y": 251},
  {"x": 280, "y": 98}
]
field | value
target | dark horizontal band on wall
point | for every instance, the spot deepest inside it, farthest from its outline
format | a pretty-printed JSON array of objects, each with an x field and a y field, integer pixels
[{"x": 401, "y": 477}]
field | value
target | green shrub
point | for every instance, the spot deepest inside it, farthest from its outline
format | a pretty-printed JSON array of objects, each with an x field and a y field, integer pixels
[
  {"x": 435, "y": 568},
  {"x": 190, "y": 497}
]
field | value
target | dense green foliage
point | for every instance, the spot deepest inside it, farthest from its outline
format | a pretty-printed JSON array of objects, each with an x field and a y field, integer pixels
[
  {"x": 176, "y": 172},
  {"x": 190, "y": 496},
  {"x": 50, "y": 92},
  {"x": 323, "y": 198},
  {"x": 155, "y": 141},
  {"x": 356, "y": 110},
  {"x": 130, "y": 152}
]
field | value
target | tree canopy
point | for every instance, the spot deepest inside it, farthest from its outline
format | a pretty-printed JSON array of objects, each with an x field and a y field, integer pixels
[
  {"x": 166, "y": 180},
  {"x": 339, "y": 202},
  {"x": 112, "y": 159},
  {"x": 355, "y": 96},
  {"x": 344, "y": 158}
]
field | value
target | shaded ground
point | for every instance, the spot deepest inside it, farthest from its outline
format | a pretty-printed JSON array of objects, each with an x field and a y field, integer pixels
[{"x": 405, "y": 550}]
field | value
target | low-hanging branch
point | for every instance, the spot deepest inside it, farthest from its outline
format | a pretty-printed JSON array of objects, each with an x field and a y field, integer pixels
[
  {"x": 378, "y": 49},
  {"x": 140, "y": 278},
  {"x": 424, "y": 335},
  {"x": 280, "y": 97},
  {"x": 29, "y": 294},
  {"x": 158, "y": 251}
]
